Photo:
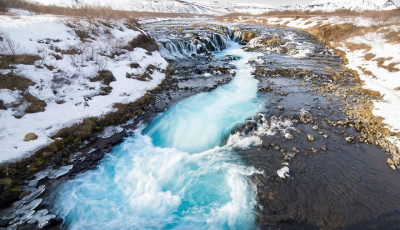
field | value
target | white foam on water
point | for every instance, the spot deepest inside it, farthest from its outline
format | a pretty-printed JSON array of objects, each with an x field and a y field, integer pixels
[
  {"x": 266, "y": 127},
  {"x": 143, "y": 186}
]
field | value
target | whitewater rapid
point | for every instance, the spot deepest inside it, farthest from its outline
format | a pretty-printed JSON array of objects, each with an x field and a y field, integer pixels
[{"x": 176, "y": 173}]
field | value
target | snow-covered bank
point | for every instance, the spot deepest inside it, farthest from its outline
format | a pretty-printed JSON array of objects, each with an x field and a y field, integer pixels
[{"x": 80, "y": 68}]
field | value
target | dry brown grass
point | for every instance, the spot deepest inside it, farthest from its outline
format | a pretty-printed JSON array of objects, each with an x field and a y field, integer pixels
[
  {"x": 381, "y": 15},
  {"x": 70, "y": 51},
  {"x": 375, "y": 94},
  {"x": 2, "y": 106},
  {"x": 335, "y": 33},
  {"x": 7, "y": 61},
  {"x": 358, "y": 46},
  {"x": 390, "y": 67},
  {"x": 369, "y": 56},
  {"x": 104, "y": 76},
  {"x": 13, "y": 82},
  {"x": 36, "y": 105},
  {"x": 366, "y": 72},
  {"x": 308, "y": 22},
  {"x": 143, "y": 41},
  {"x": 392, "y": 37}
]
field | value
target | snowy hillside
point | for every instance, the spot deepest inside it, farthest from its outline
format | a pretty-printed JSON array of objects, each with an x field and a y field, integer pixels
[
  {"x": 358, "y": 5},
  {"x": 56, "y": 71},
  {"x": 168, "y": 6},
  {"x": 219, "y": 7}
]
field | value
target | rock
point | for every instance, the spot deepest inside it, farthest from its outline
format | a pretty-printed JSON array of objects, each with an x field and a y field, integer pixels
[
  {"x": 314, "y": 150},
  {"x": 350, "y": 139},
  {"x": 281, "y": 108},
  {"x": 288, "y": 136},
  {"x": 295, "y": 150},
  {"x": 325, "y": 136},
  {"x": 310, "y": 137},
  {"x": 324, "y": 148},
  {"x": 391, "y": 163},
  {"x": 315, "y": 127},
  {"x": 340, "y": 123},
  {"x": 30, "y": 137}
]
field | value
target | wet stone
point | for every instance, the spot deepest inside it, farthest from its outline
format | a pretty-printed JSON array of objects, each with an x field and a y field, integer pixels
[
  {"x": 288, "y": 136},
  {"x": 350, "y": 139}
]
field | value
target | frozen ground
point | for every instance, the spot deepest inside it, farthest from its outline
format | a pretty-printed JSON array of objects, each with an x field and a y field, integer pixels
[{"x": 70, "y": 54}]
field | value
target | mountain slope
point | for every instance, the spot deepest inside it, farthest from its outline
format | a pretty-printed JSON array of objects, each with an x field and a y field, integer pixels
[
  {"x": 357, "y": 5},
  {"x": 167, "y": 6},
  {"x": 218, "y": 7},
  {"x": 230, "y": 7}
]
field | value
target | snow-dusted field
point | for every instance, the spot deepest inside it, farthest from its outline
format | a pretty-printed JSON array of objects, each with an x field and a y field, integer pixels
[{"x": 63, "y": 77}]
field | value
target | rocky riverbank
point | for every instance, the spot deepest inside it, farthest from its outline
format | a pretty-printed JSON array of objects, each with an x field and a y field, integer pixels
[
  {"x": 317, "y": 139},
  {"x": 369, "y": 47}
]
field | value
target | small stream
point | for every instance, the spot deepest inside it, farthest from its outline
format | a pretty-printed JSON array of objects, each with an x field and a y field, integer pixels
[{"x": 176, "y": 173}]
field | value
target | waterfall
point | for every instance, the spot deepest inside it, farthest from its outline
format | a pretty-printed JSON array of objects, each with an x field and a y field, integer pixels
[{"x": 173, "y": 49}]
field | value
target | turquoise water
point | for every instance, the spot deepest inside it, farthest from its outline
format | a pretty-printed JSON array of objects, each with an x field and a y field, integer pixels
[{"x": 173, "y": 174}]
